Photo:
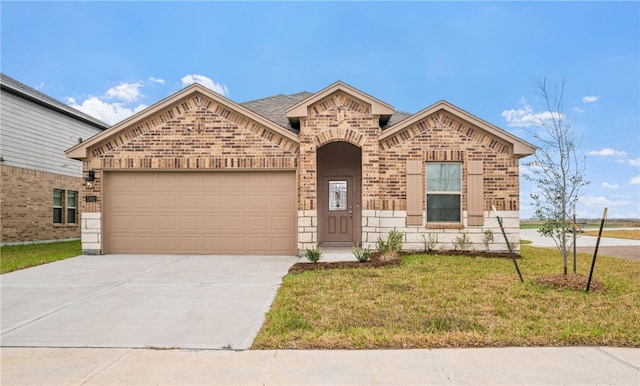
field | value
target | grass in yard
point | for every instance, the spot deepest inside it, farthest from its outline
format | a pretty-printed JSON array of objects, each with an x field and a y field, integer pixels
[
  {"x": 454, "y": 301},
  {"x": 633, "y": 234},
  {"x": 15, "y": 257}
]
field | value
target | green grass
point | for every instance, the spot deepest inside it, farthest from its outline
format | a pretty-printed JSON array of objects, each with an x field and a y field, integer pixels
[
  {"x": 15, "y": 257},
  {"x": 454, "y": 301}
]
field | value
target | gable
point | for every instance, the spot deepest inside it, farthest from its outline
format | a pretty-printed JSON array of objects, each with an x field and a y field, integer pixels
[
  {"x": 445, "y": 115},
  {"x": 186, "y": 108},
  {"x": 340, "y": 94}
]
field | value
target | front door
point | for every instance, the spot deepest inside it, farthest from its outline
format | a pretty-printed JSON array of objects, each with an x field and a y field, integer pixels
[{"x": 337, "y": 194}]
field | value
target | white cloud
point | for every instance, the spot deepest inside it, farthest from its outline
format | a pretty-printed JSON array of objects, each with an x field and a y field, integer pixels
[
  {"x": 634, "y": 161},
  {"x": 205, "y": 81},
  {"x": 607, "y": 152},
  {"x": 635, "y": 180},
  {"x": 156, "y": 80},
  {"x": 578, "y": 110},
  {"x": 602, "y": 201},
  {"x": 610, "y": 186},
  {"x": 110, "y": 113},
  {"x": 524, "y": 116},
  {"x": 590, "y": 98},
  {"x": 128, "y": 92}
]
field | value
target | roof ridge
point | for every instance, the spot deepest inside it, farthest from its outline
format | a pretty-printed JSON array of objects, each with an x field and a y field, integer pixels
[{"x": 32, "y": 93}]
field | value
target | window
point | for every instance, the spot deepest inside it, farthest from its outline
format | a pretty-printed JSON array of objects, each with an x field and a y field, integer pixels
[
  {"x": 444, "y": 186},
  {"x": 72, "y": 201},
  {"x": 65, "y": 206},
  {"x": 57, "y": 206}
]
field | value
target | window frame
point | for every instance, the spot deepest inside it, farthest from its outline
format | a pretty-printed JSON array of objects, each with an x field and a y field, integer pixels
[
  {"x": 457, "y": 193},
  {"x": 71, "y": 219},
  {"x": 64, "y": 208}
]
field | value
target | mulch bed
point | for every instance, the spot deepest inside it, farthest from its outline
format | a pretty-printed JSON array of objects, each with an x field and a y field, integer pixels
[
  {"x": 377, "y": 262},
  {"x": 574, "y": 282}
]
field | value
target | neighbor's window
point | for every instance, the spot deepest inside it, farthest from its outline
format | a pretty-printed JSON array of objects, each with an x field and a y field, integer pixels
[
  {"x": 72, "y": 203},
  {"x": 65, "y": 206},
  {"x": 444, "y": 187},
  {"x": 57, "y": 206}
]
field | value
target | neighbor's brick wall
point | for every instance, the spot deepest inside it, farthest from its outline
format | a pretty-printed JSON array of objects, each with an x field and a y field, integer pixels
[{"x": 26, "y": 205}]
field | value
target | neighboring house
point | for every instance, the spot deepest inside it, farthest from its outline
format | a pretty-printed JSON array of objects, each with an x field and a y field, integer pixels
[
  {"x": 40, "y": 190},
  {"x": 199, "y": 173}
]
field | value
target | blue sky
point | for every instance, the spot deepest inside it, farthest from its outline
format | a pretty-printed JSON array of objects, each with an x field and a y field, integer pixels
[{"x": 111, "y": 59}]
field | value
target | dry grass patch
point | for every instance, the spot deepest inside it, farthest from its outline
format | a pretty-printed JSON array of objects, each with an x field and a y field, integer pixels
[
  {"x": 454, "y": 301},
  {"x": 632, "y": 234}
]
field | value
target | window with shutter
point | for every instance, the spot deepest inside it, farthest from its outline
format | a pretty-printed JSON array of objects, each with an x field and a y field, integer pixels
[{"x": 444, "y": 192}]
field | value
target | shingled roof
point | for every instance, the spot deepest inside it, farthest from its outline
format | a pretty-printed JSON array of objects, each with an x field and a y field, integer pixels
[
  {"x": 273, "y": 108},
  {"x": 15, "y": 87}
]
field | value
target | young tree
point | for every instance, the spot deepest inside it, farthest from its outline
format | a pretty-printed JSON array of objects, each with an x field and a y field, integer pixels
[{"x": 556, "y": 169}]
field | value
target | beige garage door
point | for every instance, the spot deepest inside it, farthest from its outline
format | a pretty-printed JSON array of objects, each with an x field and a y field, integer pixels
[{"x": 200, "y": 212}]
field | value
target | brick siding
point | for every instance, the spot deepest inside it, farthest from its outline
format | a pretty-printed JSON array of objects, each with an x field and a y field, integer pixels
[{"x": 26, "y": 208}]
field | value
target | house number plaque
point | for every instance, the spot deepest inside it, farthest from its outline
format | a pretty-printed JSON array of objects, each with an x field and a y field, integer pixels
[{"x": 91, "y": 198}]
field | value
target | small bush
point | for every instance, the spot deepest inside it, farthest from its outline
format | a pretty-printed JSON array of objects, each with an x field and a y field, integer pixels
[
  {"x": 394, "y": 240},
  {"x": 381, "y": 246},
  {"x": 362, "y": 254},
  {"x": 430, "y": 242},
  {"x": 462, "y": 242},
  {"x": 313, "y": 254},
  {"x": 487, "y": 238}
]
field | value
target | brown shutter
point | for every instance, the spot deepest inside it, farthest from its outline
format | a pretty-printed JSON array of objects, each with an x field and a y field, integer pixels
[
  {"x": 475, "y": 193},
  {"x": 415, "y": 211}
]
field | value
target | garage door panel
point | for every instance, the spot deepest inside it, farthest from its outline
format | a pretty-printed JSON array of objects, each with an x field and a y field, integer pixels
[
  {"x": 200, "y": 212},
  {"x": 189, "y": 201},
  {"x": 234, "y": 201},
  {"x": 281, "y": 223},
  {"x": 259, "y": 224}
]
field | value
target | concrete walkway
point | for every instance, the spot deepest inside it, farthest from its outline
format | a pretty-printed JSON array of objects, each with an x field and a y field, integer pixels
[{"x": 480, "y": 366}]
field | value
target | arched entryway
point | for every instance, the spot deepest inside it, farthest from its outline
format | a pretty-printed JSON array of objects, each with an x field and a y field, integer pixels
[{"x": 339, "y": 194}]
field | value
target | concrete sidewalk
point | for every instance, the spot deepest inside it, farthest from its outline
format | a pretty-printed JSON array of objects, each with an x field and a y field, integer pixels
[{"x": 488, "y": 366}]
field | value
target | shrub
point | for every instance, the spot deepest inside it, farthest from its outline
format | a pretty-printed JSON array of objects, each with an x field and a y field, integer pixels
[
  {"x": 362, "y": 254},
  {"x": 487, "y": 238},
  {"x": 430, "y": 243},
  {"x": 313, "y": 254},
  {"x": 394, "y": 240},
  {"x": 463, "y": 242}
]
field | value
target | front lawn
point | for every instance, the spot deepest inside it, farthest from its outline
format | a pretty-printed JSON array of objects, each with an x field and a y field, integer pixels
[
  {"x": 15, "y": 257},
  {"x": 454, "y": 301}
]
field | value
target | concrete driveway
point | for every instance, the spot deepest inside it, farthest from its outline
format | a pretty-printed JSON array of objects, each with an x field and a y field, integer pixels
[{"x": 137, "y": 301}]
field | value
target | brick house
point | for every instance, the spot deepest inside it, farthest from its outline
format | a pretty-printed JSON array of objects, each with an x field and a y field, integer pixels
[
  {"x": 39, "y": 192},
  {"x": 199, "y": 173}
]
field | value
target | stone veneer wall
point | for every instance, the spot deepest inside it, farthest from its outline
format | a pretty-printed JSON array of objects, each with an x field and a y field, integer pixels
[
  {"x": 26, "y": 206},
  {"x": 378, "y": 223}
]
